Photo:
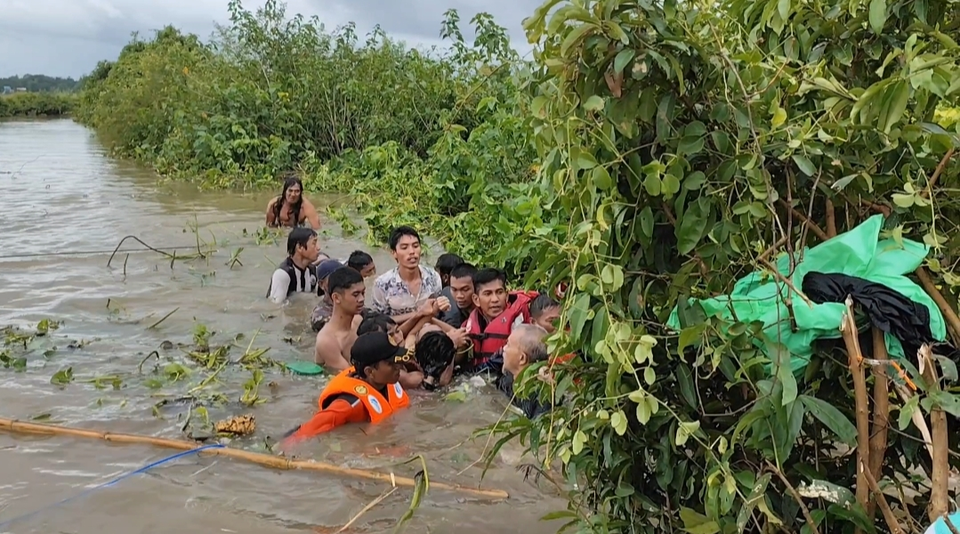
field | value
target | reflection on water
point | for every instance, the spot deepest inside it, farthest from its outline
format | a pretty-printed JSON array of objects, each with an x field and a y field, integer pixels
[{"x": 64, "y": 207}]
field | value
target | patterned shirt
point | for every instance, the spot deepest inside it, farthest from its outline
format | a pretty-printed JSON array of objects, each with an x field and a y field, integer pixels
[{"x": 392, "y": 296}]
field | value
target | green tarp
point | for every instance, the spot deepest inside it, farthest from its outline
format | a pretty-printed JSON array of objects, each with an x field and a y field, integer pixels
[{"x": 860, "y": 253}]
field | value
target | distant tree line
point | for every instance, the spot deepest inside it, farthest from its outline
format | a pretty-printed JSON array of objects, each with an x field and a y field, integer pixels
[{"x": 40, "y": 83}]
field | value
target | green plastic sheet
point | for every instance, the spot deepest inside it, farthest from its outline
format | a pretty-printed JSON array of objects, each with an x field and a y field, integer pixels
[{"x": 860, "y": 253}]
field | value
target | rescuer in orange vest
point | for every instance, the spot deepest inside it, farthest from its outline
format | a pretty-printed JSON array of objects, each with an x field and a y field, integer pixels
[{"x": 369, "y": 391}]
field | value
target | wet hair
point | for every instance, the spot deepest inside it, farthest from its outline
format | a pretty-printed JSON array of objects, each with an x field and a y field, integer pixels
[
  {"x": 342, "y": 279},
  {"x": 399, "y": 232},
  {"x": 290, "y": 180},
  {"x": 531, "y": 341},
  {"x": 375, "y": 322},
  {"x": 464, "y": 270},
  {"x": 299, "y": 237},
  {"x": 542, "y": 303},
  {"x": 359, "y": 259},
  {"x": 446, "y": 263},
  {"x": 434, "y": 352},
  {"x": 488, "y": 276}
]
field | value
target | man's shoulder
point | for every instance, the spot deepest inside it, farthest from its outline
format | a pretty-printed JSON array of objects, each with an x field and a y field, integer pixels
[{"x": 387, "y": 277}]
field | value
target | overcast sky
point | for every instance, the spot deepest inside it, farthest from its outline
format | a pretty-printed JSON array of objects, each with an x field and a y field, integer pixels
[{"x": 68, "y": 37}]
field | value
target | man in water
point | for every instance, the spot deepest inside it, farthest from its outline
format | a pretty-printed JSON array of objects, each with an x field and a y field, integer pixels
[
  {"x": 524, "y": 347},
  {"x": 401, "y": 291},
  {"x": 291, "y": 209},
  {"x": 363, "y": 262},
  {"x": 445, "y": 264},
  {"x": 495, "y": 314},
  {"x": 460, "y": 293},
  {"x": 335, "y": 339},
  {"x": 296, "y": 274},
  {"x": 321, "y": 314},
  {"x": 369, "y": 390},
  {"x": 544, "y": 312}
]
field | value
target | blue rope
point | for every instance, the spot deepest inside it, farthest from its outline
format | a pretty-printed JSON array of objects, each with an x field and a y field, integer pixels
[{"x": 142, "y": 470}]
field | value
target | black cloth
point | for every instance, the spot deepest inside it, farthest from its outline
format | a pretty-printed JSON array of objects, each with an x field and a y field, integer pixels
[{"x": 888, "y": 310}]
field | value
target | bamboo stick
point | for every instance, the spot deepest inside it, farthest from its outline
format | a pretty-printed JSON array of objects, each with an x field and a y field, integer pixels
[
  {"x": 276, "y": 462},
  {"x": 848, "y": 329},
  {"x": 881, "y": 413},
  {"x": 940, "y": 468}
]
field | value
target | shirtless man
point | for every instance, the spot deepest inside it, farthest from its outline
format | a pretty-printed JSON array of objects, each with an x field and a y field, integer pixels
[
  {"x": 335, "y": 339},
  {"x": 291, "y": 209}
]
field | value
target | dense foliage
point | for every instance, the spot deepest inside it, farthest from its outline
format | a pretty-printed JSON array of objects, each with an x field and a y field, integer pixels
[
  {"x": 680, "y": 147},
  {"x": 40, "y": 83},
  {"x": 36, "y": 104},
  {"x": 368, "y": 116}
]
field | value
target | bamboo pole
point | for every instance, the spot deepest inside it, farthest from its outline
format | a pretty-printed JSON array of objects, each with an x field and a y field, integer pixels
[
  {"x": 276, "y": 462},
  {"x": 940, "y": 468},
  {"x": 881, "y": 413},
  {"x": 848, "y": 329}
]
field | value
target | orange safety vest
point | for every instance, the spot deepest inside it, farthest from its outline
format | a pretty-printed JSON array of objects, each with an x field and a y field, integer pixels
[
  {"x": 488, "y": 341},
  {"x": 378, "y": 408}
]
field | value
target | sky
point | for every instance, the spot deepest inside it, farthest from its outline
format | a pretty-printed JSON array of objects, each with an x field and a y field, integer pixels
[{"x": 69, "y": 37}]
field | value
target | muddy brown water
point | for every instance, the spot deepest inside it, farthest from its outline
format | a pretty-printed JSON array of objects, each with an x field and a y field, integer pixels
[{"x": 61, "y": 195}]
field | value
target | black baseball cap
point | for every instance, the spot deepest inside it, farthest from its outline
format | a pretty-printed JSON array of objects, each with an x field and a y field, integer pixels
[{"x": 375, "y": 347}]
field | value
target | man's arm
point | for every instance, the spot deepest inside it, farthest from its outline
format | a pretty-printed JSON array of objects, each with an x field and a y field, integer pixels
[
  {"x": 279, "y": 284},
  {"x": 411, "y": 379},
  {"x": 311, "y": 215},
  {"x": 271, "y": 218},
  {"x": 328, "y": 354},
  {"x": 346, "y": 409}
]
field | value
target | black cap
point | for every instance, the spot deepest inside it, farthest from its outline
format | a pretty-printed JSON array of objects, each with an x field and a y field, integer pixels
[{"x": 375, "y": 347}]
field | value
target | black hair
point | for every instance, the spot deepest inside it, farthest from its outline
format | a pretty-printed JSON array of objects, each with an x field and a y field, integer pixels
[
  {"x": 542, "y": 303},
  {"x": 290, "y": 180},
  {"x": 375, "y": 322},
  {"x": 399, "y": 232},
  {"x": 464, "y": 270},
  {"x": 488, "y": 276},
  {"x": 446, "y": 263},
  {"x": 359, "y": 259},
  {"x": 342, "y": 279},
  {"x": 298, "y": 238},
  {"x": 434, "y": 352}
]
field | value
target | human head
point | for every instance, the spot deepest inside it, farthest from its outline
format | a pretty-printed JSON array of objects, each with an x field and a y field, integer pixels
[
  {"x": 362, "y": 262},
  {"x": 405, "y": 246},
  {"x": 445, "y": 264},
  {"x": 380, "y": 322},
  {"x": 302, "y": 244},
  {"x": 461, "y": 285},
  {"x": 292, "y": 189},
  {"x": 524, "y": 346},
  {"x": 377, "y": 360},
  {"x": 346, "y": 290},
  {"x": 544, "y": 312},
  {"x": 324, "y": 269},
  {"x": 490, "y": 292},
  {"x": 434, "y": 352}
]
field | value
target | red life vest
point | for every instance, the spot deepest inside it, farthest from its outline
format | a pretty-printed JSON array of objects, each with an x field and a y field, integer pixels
[{"x": 487, "y": 341}]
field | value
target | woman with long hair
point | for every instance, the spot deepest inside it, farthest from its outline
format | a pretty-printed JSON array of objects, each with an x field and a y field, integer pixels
[{"x": 291, "y": 209}]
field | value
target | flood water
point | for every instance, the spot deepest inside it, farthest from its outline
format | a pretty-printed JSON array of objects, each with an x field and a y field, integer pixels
[{"x": 64, "y": 206}]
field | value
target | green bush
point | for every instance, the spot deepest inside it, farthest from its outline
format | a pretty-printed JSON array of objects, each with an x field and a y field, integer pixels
[{"x": 37, "y": 104}]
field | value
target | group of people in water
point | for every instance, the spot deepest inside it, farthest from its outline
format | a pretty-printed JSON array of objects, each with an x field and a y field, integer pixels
[{"x": 422, "y": 326}]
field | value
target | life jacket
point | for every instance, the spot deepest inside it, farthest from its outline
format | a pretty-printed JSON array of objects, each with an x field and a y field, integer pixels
[
  {"x": 303, "y": 280},
  {"x": 487, "y": 341},
  {"x": 378, "y": 408}
]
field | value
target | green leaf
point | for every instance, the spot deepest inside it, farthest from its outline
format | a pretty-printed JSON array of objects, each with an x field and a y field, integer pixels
[
  {"x": 691, "y": 227},
  {"x": 946, "y": 401},
  {"x": 785, "y": 374},
  {"x": 579, "y": 438},
  {"x": 578, "y": 315},
  {"x": 684, "y": 431},
  {"x": 643, "y": 412},
  {"x": 805, "y": 165},
  {"x": 690, "y": 145},
  {"x": 594, "y": 103},
  {"x": 625, "y": 56},
  {"x": 652, "y": 184},
  {"x": 601, "y": 178},
  {"x": 649, "y": 375},
  {"x": 670, "y": 186},
  {"x": 689, "y": 335},
  {"x": 906, "y": 412},
  {"x": 832, "y": 418},
  {"x": 687, "y": 389},
  {"x": 619, "y": 422},
  {"x": 878, "y": 15},
  {"x": 586, "y": 161},
  {"x": 696, "y": 523},
  {"x": 63, "y": 376},
  {"x": 574, "y": 37},
  {"x": 779, "y": 116},
  {"x": 898, "y": 104},
  {"x": 646, "y": 221}
]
